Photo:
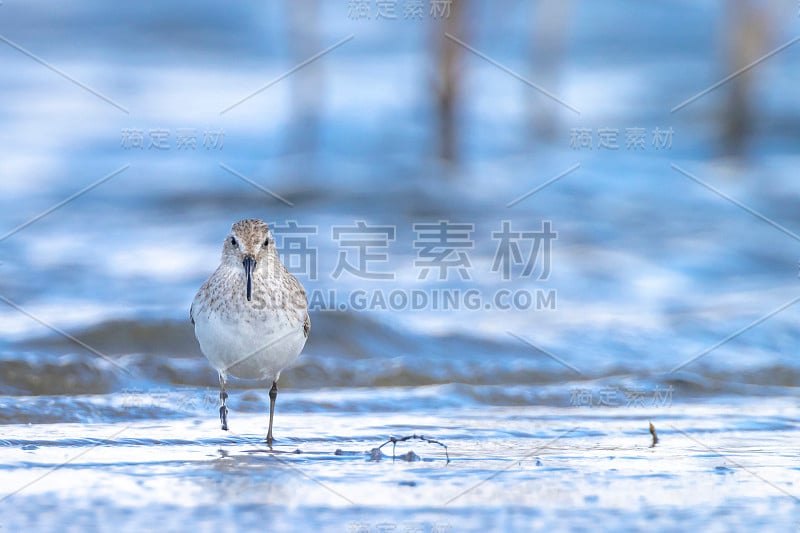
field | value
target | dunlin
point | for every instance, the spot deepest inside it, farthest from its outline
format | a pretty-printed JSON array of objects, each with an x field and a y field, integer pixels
[{"x": 251, "y": 316}]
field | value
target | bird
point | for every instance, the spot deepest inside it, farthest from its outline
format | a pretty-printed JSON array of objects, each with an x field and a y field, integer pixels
[{"x": 250, "y": 317}]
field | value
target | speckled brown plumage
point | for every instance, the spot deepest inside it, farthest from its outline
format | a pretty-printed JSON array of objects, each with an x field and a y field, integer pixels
[{"x": 251, "y": 315}]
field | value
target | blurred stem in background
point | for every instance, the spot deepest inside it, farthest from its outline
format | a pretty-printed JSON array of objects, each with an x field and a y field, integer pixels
[
  {"x": 307, "y": 84},
  {"x": 548, "y": 37},
  {"x": 745, "y": 41},
  {"x": 753, "y": 29},
  {"x": 447, "y": 84}
]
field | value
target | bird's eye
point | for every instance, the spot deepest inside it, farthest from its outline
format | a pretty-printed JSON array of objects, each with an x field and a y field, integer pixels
[
  {"x": 266, "y": 241},
  {"x": 233, "y": 241}
]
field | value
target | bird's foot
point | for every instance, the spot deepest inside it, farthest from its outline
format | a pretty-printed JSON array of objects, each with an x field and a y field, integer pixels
[{"x": 223, "y": 417}]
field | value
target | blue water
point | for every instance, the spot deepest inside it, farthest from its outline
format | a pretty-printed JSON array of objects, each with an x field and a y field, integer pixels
[{"x": 671, "y": 293}]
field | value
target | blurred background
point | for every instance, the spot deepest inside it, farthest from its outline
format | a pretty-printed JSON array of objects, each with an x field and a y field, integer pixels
[
  {"x": 526, "y": 228},
  {"x": 661, "y": 143}
]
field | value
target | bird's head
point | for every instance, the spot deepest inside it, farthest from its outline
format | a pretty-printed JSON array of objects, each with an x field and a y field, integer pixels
[{"x": 249, "y": 246}]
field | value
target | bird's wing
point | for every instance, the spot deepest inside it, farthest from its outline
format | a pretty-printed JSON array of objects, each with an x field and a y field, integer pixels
[
  {"x": 191, "y": 313},
  {"x": 307, "y": 325}
]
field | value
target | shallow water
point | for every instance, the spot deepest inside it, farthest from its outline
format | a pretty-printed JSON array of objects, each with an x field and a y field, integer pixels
[{"x": 715, "y": 467}]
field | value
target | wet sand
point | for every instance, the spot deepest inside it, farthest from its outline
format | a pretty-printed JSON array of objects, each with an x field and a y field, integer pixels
[{"x": 716, "y": 467}]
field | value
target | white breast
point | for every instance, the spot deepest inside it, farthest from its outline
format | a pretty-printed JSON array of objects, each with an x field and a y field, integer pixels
[{"x": 254, "y": 349}]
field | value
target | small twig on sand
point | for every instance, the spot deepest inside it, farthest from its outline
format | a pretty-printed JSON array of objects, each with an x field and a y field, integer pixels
[
  {"x": 655, "y": 436},
  {"x": 395, "y": 440}
]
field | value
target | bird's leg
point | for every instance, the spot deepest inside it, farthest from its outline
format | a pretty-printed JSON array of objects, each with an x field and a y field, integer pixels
[
  {"x": 223, "y": 411},
  {"x": 273, "y": 393}
]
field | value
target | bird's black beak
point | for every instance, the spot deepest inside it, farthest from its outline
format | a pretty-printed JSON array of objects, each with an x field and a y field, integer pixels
[{"x": 249, "y": 264}]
